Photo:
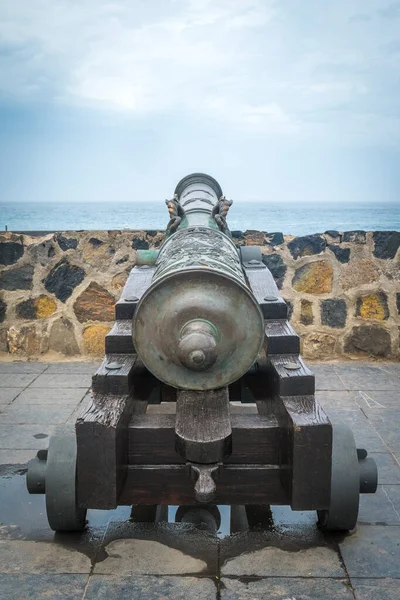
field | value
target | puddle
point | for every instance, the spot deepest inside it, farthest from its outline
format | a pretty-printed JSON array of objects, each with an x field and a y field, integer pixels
[{"x": 23, "y": 516}]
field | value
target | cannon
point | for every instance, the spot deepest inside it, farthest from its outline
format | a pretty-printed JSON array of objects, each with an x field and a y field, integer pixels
[{"x": 202, "y": 397}]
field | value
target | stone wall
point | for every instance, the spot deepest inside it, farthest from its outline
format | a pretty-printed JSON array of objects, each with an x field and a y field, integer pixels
[{"x": 57, "y": 292}]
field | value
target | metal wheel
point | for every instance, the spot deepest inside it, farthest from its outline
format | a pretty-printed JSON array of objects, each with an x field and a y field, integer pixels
[
  {"x": 345, "y": 483},
  {"x": 63, "y": 512}
]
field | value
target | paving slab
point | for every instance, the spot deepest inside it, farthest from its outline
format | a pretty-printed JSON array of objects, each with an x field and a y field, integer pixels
[
  {"x": 26, "y": 556},
  {"x": 7, "y": 395},
  {"x": 158, "y": 549},
  {"x": 336, "y": 400},
  {"x": 394, "y": 368},
  {"x": 366, "y": 377},
  {"x": 46, "y": 396},
  {"x": 373, "y": 401},
  {"x": 378, "y": 509},
  {"x": 376, "y": 589},
  {"x": 388, "y": 468},
  {"x": 72, "y": 368},
  {"x": 19, "y": 367},
  {"x": 365, "y": 433},
  {"x": 49, "y": 414},
  {"x": 286, "y": 588},
  {"x": 17, "y": 380},
  {"x": 393, "y": 493},
  {"x": 25, "y": 437},
  {"x": 283, "y": 552},
  {"x": 117, "y": 587},
  {"x": 372, "y": 551},
  {"x": 326, "y": 377},
  {"x": 63, "y": 380},
  {"x": 40, "y": 587},
  {"x": 9, "y": 456}
]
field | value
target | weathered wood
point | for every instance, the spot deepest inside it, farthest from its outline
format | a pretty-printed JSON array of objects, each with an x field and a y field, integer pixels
[
  {"x": 136, "y": 285},
  {"x": 119, "y": 339},
  {"x": 102, "y": 441},
  {"x": 280, "y": 338},
  {"x": 263, "y": 286},
  {"x": 307, "y": 449},
  {"x": 114, "y": 381},
  {"x": 288, "y": 381},
  {"x": 254, "y": 438},
  {"x": 203, "y": 426},
  {"x": 171, "y": 484}
]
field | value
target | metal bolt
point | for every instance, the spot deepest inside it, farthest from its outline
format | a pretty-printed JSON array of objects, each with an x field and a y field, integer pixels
[
  {"x": 131, "y": 299},
  {"x": 144, "y": 267},
  {"x": 254, "y": 262},
  {"x": 113, "y": 366},
  {"x": 292, "y": 366},
  {"x": 270, "y": 298}
]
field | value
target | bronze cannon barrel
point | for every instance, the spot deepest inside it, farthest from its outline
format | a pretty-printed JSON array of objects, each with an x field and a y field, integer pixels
[{"x": 198, "y": 326}]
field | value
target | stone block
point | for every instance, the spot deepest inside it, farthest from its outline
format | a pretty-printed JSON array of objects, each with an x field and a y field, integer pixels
[
  {"x": 140, "y": 244},
  {"x": 334, "y": 312},
  {"x": 42, "y": 253},
  {"x": 333, "y": 233},
  {"x": 306, "y": 312},
  {"x": 342, "y": 254},
  {"x": 66, "y": 243},
  {"x": 368, "y": 339},
  {"x": 386, "y": 243},
  {"x": 254, "y": 238},
  {"x": 354, "y": 237},
  {"x": 94, "y": 304},
  {"x": 275, "y": 264},
  {"x": 63, "y": 279},
  {"x": 3, "y": 309},
  {"x": 25, "y": 341},
  {"x": 318, "y": 345},
  {"x": 357, "y": 273},
  {"x": 119, "y": 280},
  {"x": 62, "y": 338},
  {"x": 314, "y": 278},
  {"x": 307, "y": 245},
  {"x": 373, "y": 306},
  {"x": 19, "y": 278},
  {"x": 94, "y": 339},
  {"x": 3, "y": 340},
  {"x": 274, "y": 239},
  {"x": 11, "y": 252},
  {"x": 36, "y": 308}
]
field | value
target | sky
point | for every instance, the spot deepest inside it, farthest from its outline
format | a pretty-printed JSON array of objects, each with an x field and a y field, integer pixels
[{"x": 280, "y": 100}]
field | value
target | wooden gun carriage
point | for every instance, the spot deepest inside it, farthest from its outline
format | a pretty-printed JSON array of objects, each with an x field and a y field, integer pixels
[{"x": 202, "y": 396}]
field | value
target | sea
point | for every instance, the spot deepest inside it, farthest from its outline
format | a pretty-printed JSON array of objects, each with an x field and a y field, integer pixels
[{"x": 293, "y": 219}]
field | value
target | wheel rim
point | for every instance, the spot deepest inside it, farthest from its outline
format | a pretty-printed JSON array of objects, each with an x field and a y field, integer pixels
[
  {"x": 345, "y": 483},
  {"x": 63, "y": 513}
]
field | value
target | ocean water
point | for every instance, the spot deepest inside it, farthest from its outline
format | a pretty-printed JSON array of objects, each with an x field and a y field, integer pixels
[{"x": 296, "y": 219}]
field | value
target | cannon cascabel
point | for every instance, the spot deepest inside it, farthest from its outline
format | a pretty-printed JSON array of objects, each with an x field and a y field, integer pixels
[{"x": 198, "y": 326}]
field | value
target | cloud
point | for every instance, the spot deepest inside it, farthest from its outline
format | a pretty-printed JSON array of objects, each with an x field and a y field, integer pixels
[
  {"x": 392, "y": 11},
  {"x": 258, "y": 66}
]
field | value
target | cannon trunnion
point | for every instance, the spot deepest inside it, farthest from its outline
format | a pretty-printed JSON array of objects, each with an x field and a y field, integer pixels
[{"x": 202, "y": 395}]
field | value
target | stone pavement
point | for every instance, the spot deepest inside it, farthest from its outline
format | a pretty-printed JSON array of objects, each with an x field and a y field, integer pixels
[{"x": 287, "y": 558}]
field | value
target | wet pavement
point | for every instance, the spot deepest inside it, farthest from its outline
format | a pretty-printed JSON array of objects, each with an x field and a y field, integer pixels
[{"x": 277, "y": 554}]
